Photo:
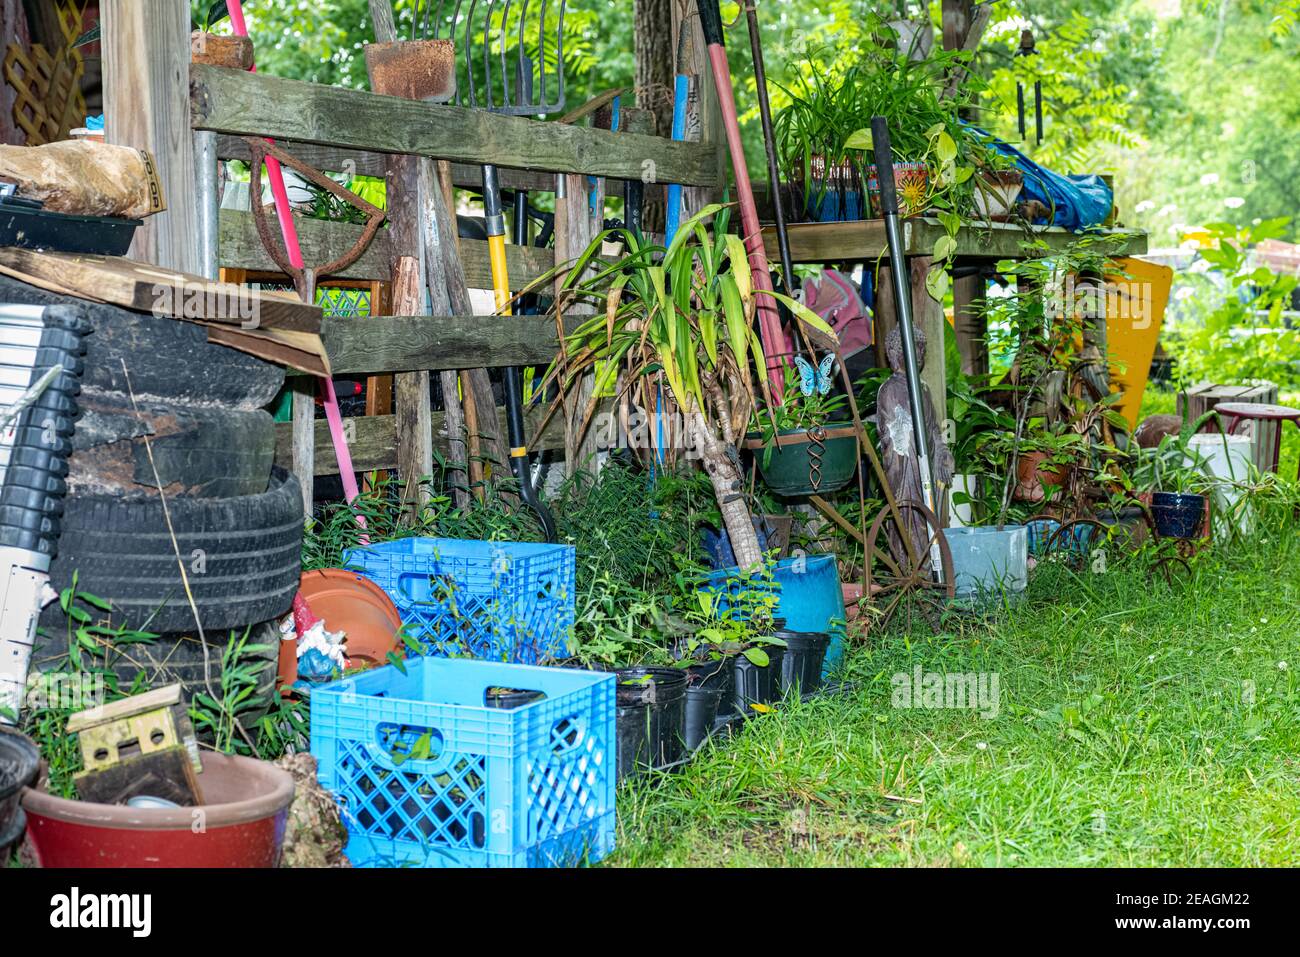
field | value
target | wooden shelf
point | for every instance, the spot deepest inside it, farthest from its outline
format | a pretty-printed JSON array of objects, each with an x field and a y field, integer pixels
[{"x": 865, "y": 240}]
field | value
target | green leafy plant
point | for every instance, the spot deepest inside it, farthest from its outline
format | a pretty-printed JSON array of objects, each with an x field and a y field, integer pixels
[
  {"x": 682, "y": 315},
  {"x": 796, "y": 413},
  {"x": 1236, "y": 322}
]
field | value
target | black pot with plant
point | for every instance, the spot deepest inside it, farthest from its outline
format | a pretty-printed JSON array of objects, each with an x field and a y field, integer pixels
[{"x": 651, "y": 717}]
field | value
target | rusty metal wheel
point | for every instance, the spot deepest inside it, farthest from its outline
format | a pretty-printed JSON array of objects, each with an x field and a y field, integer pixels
[
  {"x": 893, "y": 584},
  {"x": 1073, "y": 542}
]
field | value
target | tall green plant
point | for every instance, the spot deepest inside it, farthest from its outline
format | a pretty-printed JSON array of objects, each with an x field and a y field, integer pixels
[{"x": 686, "y": 313}]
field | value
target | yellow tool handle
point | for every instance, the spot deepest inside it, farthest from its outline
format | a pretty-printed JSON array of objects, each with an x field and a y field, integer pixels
[{"x": 500, "y": 275}]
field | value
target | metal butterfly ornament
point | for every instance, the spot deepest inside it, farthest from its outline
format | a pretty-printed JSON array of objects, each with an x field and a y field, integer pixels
[{"x": 815, "y": 378}]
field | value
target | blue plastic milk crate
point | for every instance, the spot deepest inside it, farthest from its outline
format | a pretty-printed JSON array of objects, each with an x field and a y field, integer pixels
[
  {"x": 501, "y": 601},
  {"x": 428, "y": 775}
]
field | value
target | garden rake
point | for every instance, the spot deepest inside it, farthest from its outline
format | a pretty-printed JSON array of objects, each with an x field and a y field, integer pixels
[{"x": 501, "y": 32}]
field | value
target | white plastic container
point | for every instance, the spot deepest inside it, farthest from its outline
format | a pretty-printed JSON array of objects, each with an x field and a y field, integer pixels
[
  {"x": 1228, "y": 459},
  {"x": 961, "y": 516}
]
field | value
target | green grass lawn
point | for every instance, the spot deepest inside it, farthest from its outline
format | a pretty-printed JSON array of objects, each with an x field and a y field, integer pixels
[{"x": 1140, "y": 723}]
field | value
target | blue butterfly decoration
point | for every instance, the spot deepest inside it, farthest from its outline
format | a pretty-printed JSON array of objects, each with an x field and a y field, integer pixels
[{"x": 818, "y": 378}]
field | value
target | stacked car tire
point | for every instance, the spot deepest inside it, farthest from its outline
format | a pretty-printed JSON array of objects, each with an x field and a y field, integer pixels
[{"x": 235, "y": 519}]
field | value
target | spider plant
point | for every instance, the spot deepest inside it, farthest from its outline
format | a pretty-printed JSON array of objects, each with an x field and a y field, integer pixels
[{"x": 684, "y": 317}]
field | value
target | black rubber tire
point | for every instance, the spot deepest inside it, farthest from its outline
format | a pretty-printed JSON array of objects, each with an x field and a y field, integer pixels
[
  {"x": 166, "y": 358},
  {"x": 242, "y": 557},
  {"x": 199, "y": 450},
  {"x": 179, "y": 657}
]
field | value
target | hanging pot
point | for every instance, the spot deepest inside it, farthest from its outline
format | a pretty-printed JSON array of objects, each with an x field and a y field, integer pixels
[
  {"x": 413, "y": 69},
  {"x": 911, "y": 183},
  {"x": 807, "y": 464}
]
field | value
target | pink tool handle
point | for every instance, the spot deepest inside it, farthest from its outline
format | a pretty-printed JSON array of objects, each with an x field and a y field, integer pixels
[
  {"x": 289, "y": 230},
  {"x": 769, "y": 319}
]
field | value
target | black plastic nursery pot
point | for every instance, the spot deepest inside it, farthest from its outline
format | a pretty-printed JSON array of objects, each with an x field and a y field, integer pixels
[
  {"x": 803, "y": 465},
  {"x": 507, "y": 699},
  {"x": 651, "y": 718},
  {"x": 757, "y": 685},
  {"x": 801, "y": 665},
  {"x": 19, "y": 761},
  {"x": 702, "y": 706},
  {"x": 1178, "y": 515}
]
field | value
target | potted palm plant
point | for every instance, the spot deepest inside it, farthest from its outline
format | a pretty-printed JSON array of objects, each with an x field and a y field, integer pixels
[{"x": 684, "y": 314}]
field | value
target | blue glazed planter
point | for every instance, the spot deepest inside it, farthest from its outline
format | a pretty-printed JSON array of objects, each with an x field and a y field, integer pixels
[
  {"x": 1041, "y": 533},
  {"x": 1178, "y": 515},
  {"x": 810, "y": 598}
]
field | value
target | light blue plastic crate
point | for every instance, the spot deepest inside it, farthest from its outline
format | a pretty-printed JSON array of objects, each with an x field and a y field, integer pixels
[
  {"x": 427, "y": 776},
  {"x": 500, "y": 601}
]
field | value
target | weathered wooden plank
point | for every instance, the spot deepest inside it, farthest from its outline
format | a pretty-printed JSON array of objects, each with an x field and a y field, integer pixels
[
  {"x": 373, "y": 440},
  {"x": 405, "y": 343},
  {"x": 865, "y": 240},
  {"x": 146, "y": 46},
  {"x": 229, "y": 101},
  {"x": 322, "y": 241},
  {"x": 334, "y": 159}
]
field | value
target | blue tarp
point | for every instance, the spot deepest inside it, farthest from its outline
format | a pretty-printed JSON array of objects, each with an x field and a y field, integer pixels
[{"x": 1077, "y": 202}]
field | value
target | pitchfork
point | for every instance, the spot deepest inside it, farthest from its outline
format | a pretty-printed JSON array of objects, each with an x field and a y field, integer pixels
[{"x": 483, "y": 30}]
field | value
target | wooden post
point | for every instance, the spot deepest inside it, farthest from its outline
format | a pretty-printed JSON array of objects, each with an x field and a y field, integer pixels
[
  {"x": 970, "y": 324},
  {"x": 884, "y": 313},
  {"x": 304, "y": 437},
  {"x": 928, "y": 317},
  {"x": 704, "y": 116},
  {"x": 146, "y": 46}
]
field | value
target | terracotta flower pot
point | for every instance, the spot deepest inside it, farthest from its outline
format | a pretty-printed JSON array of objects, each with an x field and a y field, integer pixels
[
  {"x": 246, "y": 807},
  {"x": 996, "y": 192},
  {"x": 1032, "y": 474},
  {"x": 911, "y": 182},
  {"x": 852, "y": 592},
  {"x": 354, "y": 605},
  {"x": 413, "y": 69},
  {"x": 235, "y": 53}
]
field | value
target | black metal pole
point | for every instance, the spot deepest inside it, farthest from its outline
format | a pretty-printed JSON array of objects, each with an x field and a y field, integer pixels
[{"x": 902, "y": 298}]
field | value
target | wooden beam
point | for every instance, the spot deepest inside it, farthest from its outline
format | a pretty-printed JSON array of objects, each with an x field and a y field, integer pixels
[
  {"x": 335, "y": 159},
  {"x": 373, "y": 440},
  {"x": 864, "y": 240},
  {"x": 927, "y": 315},
  {"x": 433, "y": 343},
  {"x": 241, "y": 248},
  {"x": 146, "y": 46},
  {"x": 254, "y": 104}
]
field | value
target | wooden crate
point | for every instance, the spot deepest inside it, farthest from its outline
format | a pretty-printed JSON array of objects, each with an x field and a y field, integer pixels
[{"x": 1204, "y": 396}]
